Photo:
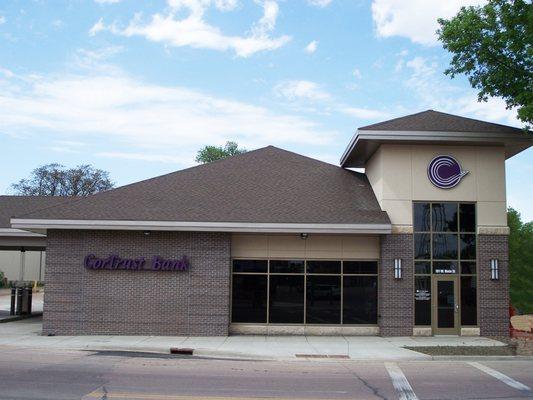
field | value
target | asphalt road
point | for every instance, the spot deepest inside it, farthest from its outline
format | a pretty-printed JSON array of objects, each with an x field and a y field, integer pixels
[{"x": 39, "y": 374}]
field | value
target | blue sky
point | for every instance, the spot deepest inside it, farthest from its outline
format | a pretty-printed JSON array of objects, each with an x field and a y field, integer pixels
[{"x": 136, "y": 88}]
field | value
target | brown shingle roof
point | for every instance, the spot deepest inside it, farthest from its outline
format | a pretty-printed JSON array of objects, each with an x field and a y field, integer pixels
[
  {"x": 261, "y": 186},
  {"x": 11, "y": 206},
  {"x": 431, "y": 120}
]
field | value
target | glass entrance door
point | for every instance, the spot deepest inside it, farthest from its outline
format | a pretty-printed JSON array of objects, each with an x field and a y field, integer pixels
[{"x": 445, "y": 306}]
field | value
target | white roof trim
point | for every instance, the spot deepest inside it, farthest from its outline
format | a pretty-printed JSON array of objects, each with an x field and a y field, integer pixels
[
  {"x": 18, "y": 233},
  {"x": 479, "y": 138},
  {"x": 43, "y": 224}
]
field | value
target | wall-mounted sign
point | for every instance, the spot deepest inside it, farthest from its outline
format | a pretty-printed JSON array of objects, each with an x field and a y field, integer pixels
[
  {"x": 156, "y": 263},
  {"x": 445, "y": 172},
  {"x": 422, "y": 295}
]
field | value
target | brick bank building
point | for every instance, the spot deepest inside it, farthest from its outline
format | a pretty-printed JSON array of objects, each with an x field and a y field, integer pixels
[{"x": 272, "y": 242}]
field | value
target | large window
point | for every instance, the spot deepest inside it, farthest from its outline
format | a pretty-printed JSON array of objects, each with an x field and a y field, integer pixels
[
  {"x": 304, "y": 292},
  {"x": 445, "y": 243}
]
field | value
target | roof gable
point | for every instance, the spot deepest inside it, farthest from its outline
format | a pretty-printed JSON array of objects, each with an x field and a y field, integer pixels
[{"x": 267, "y": 185}]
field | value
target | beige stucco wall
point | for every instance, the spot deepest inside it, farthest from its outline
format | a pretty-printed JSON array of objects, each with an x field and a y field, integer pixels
[
  {"x": 398, "y": 175},
  {"x": 314, "y": 247}
]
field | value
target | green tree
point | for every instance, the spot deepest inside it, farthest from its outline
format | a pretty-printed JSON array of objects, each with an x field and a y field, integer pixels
[
  {"x": 212, "y": 153},
  {"x": 492, "y": 46},
  {"x": 521, "y": 261},
  {"x": 57, "y": 180}
]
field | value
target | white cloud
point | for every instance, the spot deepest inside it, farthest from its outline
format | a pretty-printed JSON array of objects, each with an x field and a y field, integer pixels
[
  {"x": 226, "y": 5},
  {"x": 311, "y": 47},
  {"x": 57, "y": 23},
  {"x": 107, "y": 1},
  {"x": 301, "y": 89},
  {"x": 6, "y": 72},
  {"x": 117, "y": 108},
  {"x": 300, "y": 92},
  {"x": 97, "y": 27},
  {"x": 414, "y": 19},
  {"x": 2, "y": 19},
  {"x": 364, "y": 113},
  {"x": 193, "y": 31},
  {"x": 357, "y": 73},
  {"x": 434, "y": 90},
  {"x": 319, "y": 3}
]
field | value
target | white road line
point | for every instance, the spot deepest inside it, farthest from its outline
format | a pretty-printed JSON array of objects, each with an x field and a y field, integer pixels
[
  {"x": 400, "y": 382},
  {"x": 498, "y": 375}
]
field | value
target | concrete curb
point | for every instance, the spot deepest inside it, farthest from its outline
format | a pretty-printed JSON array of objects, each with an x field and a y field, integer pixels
[
  {"x": 21, "y": 317},
  {"x": 482, "y": 358},
  {"x": 233, "y": 355}
]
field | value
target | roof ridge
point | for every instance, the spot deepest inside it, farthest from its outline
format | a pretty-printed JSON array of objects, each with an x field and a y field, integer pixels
[
  {"x": 430, "y": 119},
  {"x": 474, "y": 119},
  {"x": 312, "y": 159},
  {"x": 395, "y": 119}
]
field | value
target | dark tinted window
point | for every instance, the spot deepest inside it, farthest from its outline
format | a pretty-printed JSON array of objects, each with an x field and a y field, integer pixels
[
  {"x": 468, "y": 300},
  {"x": 360, "y": 267},
  {"x": 468, "y": 267},
  {"x": 360, "y": 300},
  {"x": 422, "y": 300},
  {"x": 323, "y": 300},
  {"x": 250, "y": 266},
  {"x": 286, "y": 299},
  {"x": 468, "y": 247},
  {"x": 422, "y": 246},
  {"x": 445, "y": 217},
  {"x": 445, "y": 246},
  {"x": 286, "y": 266},
  {"x": 445, "y": 267},
  {"x": 422, "y": 267},
  {"x": 249, "y": 296},
  {"x": 421, "y": 212},
  {"x": 467, "y": 217},
  {"x": 323, "y": 267},
  {"x": 445, "y": 304}
]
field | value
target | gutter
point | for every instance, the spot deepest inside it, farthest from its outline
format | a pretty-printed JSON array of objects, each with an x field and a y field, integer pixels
[{"x": 251, "y": 227}]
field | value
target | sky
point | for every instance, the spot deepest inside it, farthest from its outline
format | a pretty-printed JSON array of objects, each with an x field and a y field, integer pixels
[{"x": 137, "y": 87}]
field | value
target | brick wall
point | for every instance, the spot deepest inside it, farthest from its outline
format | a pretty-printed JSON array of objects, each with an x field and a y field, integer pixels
[
  {"x": 493, "y": 295},
  {"x": 88, "y": 302},
  {"x": 395, "y": 296}
]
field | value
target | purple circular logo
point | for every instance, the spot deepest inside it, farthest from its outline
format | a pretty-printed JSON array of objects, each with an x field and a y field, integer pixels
[{"x": 445, "y": 172}]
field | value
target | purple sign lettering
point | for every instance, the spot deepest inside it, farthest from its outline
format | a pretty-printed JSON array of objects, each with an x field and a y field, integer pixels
[
  {"x": 114, "y": 262},
  {"x": 445, "y": 172}
]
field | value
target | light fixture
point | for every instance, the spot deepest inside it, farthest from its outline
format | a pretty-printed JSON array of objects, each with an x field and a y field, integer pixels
[
  {"x": 397, "y": 268},
  {"x": 494, "y": 269},
  {"x": 304, "y": 236},
  {"x": 146, "y": 233}
]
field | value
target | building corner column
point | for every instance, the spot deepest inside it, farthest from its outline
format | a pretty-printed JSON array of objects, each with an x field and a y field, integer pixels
[
  {"x": 395, "y": 296},
  {"x": 493, "y": 295}
]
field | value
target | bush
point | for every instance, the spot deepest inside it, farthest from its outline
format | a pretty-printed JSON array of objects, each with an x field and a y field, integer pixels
[{"x": 3, "y": 281}]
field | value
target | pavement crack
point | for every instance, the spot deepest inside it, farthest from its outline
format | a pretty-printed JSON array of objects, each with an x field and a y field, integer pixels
[
  {"x": 374, "y": 390},
  {"x": 104, "y": 394}
]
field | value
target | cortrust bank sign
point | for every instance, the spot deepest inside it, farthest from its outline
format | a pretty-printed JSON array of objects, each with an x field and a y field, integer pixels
[
  {"x": 156, "y": 263},
  {"x": 445, "y": 172}
]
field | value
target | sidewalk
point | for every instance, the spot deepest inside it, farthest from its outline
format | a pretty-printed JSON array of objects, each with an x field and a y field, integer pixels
[{"x": 27, "y": 334}]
